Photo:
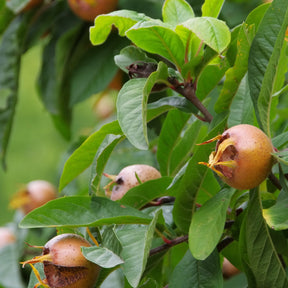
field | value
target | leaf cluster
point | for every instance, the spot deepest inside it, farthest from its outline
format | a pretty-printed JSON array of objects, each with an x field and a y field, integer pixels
[{"x": 189, "y": 77}]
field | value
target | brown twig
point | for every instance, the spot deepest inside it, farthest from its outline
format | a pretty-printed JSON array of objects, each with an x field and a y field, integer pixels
[
  {"x": 188, "y": 91},
  {"x": 166, "y": 246},
  {"x": 274, "y": 180}
]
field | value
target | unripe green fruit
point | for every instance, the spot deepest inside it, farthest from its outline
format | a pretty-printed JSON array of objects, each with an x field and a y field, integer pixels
[
  {"x": 130, "y": 176},
  {"x": 243, "y": 156}
]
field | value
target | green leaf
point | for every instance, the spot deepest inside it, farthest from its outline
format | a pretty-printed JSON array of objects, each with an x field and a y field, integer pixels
[
  {"x": 10, "y": 55},
  {"x": 157, "y": 37},
  {"x": 101, "y": 158},
  {"x": 130, "y": 55},
  {"x": 276, "y": 216},
  {"x": 235, "y": 74},
  {"x": 264, "y": 60},
  {"x": 171, "y": 132},
  {"x": 139, "y": 196},
  {"x": 54, "y": 77},
  {"x": 17, "y": 5},
  {"x": 190, "y": 272},
  {"x": 167, "y": 103},
  {"x": 83, "y": 157},
  {"x": 241, "y": 110},
  {"x": 82, "y": 211},
  {"x": 282, "y": 157},
  {"x": 132, "y": 106},
  {"x": 102, "y": 256},
  {"x": 176, "y": 12},
  {"x": 121, "y": 19},
  {"x": 260, "y": 260},
  {"x": 193, "y": 180},
  {"x": 6, "y": 16},
  {"x": 212, "y": 8},
  {"x": 136, "y": 243},
  {"x": 10, "y": 276},
  {"x": 95, "y": 69},
  {"x": 213, "y": 32},
  {"x": 208, "y": 224},
  {"x": 280, "y": 140}
]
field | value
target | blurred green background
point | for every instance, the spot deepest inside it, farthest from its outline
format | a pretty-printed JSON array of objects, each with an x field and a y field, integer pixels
[{"x": 36, "y": 148}]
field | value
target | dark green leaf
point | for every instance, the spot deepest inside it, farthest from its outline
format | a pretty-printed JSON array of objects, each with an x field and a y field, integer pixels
[
  {"x": 176, "y": 11},
  {"x": 54, "y": 80},
  {"x": 280, "y": 140},
  {"x": 82, "y": 211},
  {"x": 83, "y": 157},
  {"x": 6, "y": 16},
  {"x": 170, "y": 135},
  {"x": 132, "y": 106},
  {"x": 192, "y": 181},
  {"x": 260, "y": 260},
  {"x": 102, "y": 256},
  {"x": 264, "y": 59},
  {"x": 190, "y": 272},
  {"x": 10, "y": 54},
  {"x": 95, "y": 70},
  {"x": 208, "y": 224},
  {"x": 136, "y": 243},
  {"x": 121, "y": 19}
]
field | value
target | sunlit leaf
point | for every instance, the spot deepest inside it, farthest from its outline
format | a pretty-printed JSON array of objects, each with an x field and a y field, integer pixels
[
  {"x": 213, "y": 32},
  {"x": 156, "y": 37},
  {"x": 176, "y": 11},
  {"x": 82, "y": 211},
  {"x": 212, "y": 8},
  {"x": 121, "y": 19}
]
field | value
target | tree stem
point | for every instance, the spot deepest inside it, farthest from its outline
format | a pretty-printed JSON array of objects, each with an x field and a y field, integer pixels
[
  {"x": 166, "y": 246},
  {"x": 188, "y": 91}
]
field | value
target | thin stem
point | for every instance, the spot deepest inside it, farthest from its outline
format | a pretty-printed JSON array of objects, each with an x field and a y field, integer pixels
[
  {"x": 188, "y": 91},
  {"x": 274, "y": 180},
  {"x": 166, "y": 246}
]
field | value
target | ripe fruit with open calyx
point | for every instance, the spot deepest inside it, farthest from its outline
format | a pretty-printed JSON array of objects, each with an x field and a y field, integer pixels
[
  {"x": 64, "y": 264},
  {"x": 6, "y": 237},
  {"x": 242, "y": 157},
  {"x": 33, "y": 195},
  {"x": 89, "y": 9},
  {"x": 130, "y": 177}
]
